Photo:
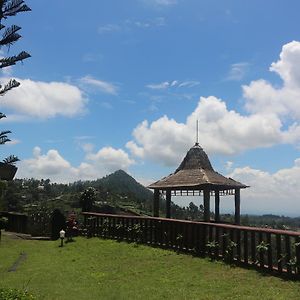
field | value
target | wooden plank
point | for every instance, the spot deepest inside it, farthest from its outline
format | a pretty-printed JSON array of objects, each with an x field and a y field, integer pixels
[
  {"x": 279, "y": 253},
  {"x": 145, "y": 232},
  {"x": 232, "y": 248},
  {"x": 288, "y": 254},
  {"x": 217, "y": 239},
  {"x": 253, "y": 248},
  {"x": 210, "y": 239},
  {"x": 224, "y": 242},
  {"x": 197, "y": 239},
  {"x": 270, "y": 257},
  {"x": 203, "y": 239},
  {"x": 246, "y": 245},
  {"x": 297, "y": 246},
  {"x": 238, "y": 245},
  {"x": 261, "y": 250}
]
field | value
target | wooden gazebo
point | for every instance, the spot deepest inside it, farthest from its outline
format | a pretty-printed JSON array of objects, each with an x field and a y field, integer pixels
[{"x": 194, "y": 177}]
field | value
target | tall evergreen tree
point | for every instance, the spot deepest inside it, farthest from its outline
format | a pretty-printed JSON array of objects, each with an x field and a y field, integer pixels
[{"x": 10, "y": 35}]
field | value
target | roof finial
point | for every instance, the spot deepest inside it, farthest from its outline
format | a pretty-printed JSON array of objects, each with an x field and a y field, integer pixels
[{"x": 197, "y": 133}]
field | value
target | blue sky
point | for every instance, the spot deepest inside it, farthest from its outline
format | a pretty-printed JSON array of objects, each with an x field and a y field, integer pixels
[{"x": 120, "y": 84}]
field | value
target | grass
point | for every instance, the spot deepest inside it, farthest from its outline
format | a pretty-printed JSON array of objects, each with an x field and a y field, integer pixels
[{"x": 105, "y": 269}]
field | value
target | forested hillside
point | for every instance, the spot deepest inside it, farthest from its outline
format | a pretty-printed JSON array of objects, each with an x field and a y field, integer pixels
[{"x": 114, "y": 193}]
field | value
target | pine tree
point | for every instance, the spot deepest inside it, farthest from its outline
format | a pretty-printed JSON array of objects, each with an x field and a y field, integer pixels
[{"x": 10, "y": 35}]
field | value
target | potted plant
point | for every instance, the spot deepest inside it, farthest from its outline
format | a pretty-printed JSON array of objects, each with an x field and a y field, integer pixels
[{"x": 7, "y": 168}]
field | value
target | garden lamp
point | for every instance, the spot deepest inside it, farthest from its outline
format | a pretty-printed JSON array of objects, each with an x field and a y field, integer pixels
[{"x": 62, "y": 236}]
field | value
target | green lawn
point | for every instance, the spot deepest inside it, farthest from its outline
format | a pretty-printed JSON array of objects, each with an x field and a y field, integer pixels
[{"x": 105, "y": 269}]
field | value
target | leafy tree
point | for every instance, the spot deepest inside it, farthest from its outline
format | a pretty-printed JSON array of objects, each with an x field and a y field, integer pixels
[
  {"x": 88, "y": 199},
  {"x": 10, "y": 35}
]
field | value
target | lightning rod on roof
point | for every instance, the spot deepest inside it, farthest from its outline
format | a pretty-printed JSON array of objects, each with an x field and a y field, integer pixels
[{"x": 197, "y": 132}]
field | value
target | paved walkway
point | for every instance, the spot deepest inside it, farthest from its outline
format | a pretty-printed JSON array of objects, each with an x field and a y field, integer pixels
[{"x": 16, "y": 235}]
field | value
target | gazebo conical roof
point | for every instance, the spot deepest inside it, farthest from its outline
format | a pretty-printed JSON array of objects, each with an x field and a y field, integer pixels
[{"x": 196, "y": 173}]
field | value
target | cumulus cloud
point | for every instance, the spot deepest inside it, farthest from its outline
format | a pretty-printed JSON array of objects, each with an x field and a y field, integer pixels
[
  {"x": 53, "y": 166},
  {"x": 112, "y": 159},
  {"x": 49, "y": 165},
  {"x": 44, "y": 99},
  {"x": 270, "y": 192},
  {"x": 273, "y": 115},
  {"x": 103, "y": 86},
  {"x": 262, "y": 96},
  {"x": 221, "y": 131}
]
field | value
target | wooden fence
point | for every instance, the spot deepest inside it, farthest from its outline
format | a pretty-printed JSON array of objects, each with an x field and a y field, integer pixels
[
  {"x": 16, "y": 222},
  {"x": 277, "y": 251}
]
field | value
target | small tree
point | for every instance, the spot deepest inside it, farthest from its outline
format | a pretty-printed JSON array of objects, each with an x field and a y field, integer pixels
[
  {"x": 87, "y": 199},
  {"x": 10, "y": 35}
]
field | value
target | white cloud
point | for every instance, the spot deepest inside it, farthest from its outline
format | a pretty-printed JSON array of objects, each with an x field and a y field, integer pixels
[
  {"x": 262, "y": 96},
  {"x": 135, "y": 149},
  {"x": 103, "y": 86},
  {"x": 108, "y": 28},
  {"x": 189, "y": 83},
  {"x": 270, "y": 193},
  {"x": 44, "y": 100},
  {"x": 228, "y": 165},
  {"x": 112, "y": 159},
  {"x": 173, "y": 84},
  {"x": 88, "y": 147},
  {"x": 158, "y": 86},
  {"x": 53, "y": 166},
  {"x": 221, "y": 131},
  {"x": 131, "y": 24},
  {"x": 13, "y": 142},
  {"x": 50, "y": 165},
  {"x": 144, "y": 24},
  {"x": 273, "y": 117},
  {"x": 160, "y": 3},
  {"x": 238, "y": 71}
]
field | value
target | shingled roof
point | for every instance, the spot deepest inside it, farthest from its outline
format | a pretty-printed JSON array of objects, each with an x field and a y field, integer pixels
[{"x": 196, "y": 172}]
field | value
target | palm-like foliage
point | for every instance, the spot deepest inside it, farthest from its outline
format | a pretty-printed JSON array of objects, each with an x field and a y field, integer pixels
[
  {"x": 10, "y": 35},
  {"x": 12, "y": 159},
  {"x": 3, "y": 137}
]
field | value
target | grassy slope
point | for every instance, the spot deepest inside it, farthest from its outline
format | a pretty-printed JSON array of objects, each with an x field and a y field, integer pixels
[{"x": 104, "y": 269}]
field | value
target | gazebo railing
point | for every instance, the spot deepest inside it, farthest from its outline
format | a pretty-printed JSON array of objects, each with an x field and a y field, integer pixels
[{"x": 277, "y": 251}]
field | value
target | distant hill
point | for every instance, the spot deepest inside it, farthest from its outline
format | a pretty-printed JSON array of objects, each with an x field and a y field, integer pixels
[{"x": 122, "y": 183}]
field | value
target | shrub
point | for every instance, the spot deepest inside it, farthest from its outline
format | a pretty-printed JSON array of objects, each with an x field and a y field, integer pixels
[{"x": 14, "y": 294}]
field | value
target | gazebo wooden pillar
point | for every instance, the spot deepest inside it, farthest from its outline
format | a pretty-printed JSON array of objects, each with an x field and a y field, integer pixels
[
  {"x": 237, "y": 203},
  {"x": 217, "y": 206},
  {"x": 168, "y": 203},
  {"x": 206, "y": 202},
  {"x": 156, "y": 203}
]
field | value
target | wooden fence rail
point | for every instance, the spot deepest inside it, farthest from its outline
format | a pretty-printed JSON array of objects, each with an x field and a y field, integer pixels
[{"x": 277, "y": 251}]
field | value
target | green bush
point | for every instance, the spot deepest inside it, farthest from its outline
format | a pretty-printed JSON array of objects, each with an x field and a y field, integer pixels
[
  {"x": 3, "y": 222},
  {"x": 14, "y": 294}
]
